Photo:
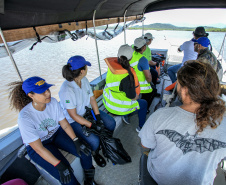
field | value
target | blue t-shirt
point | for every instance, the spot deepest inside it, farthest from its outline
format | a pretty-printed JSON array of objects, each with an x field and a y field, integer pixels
[{"x": 143, "y": 64}]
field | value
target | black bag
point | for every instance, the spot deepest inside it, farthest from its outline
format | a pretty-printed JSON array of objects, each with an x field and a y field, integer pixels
[{"x": 112, "y": 148}]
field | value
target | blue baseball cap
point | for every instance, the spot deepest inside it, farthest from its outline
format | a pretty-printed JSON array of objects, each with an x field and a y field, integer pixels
[
  {"x": 204, "y": 41},
  {"x": 77, "y": 62},
  {"x": 35, "y": 84}
]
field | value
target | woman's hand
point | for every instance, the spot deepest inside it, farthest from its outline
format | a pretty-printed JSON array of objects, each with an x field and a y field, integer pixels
[{"x": 79, "y": 119}]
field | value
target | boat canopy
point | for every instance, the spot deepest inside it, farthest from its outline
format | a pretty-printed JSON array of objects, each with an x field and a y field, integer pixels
[{"x": 16, "y": 14}]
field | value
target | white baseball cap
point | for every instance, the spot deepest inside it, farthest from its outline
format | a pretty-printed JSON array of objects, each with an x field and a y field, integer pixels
[
  {"x": 148, "y": 36},
  {"x": 126, "y": 51},
  {"x": 139, "y": 42}
]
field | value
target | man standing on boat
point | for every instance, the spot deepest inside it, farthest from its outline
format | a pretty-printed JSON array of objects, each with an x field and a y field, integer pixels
[
  {"x": 205, "y": 55},
  {"x": 189, "y": 53},
  {"x": 189, "y": 141}
]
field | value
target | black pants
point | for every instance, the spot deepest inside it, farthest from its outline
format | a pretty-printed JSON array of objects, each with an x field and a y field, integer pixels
[
  {"x": 148, "y": 97},
  {"x": 154, "y": 74}
]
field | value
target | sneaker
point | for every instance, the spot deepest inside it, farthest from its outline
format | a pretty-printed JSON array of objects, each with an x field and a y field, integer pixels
[
  {"x": 125, "y": 118},
  {"x": 99, "y": 160},
  {"x": 138, "y": 129}
]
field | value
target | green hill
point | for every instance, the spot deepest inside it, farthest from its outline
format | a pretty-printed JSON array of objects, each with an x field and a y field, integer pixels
[{"x": 160, "y": 26}]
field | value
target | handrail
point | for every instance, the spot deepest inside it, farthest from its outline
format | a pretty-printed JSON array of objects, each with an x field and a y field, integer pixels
[
  {"x": 10, "y": 54},
  {"x": 94, "y": 15},
  {"x": 222, "y": 48},
  {"x": 125, "y": 18}
]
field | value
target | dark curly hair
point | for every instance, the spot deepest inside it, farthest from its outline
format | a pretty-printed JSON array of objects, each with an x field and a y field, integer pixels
[
  {"x": 203, "y": 88},
  {"x": 18, "y": 98}
]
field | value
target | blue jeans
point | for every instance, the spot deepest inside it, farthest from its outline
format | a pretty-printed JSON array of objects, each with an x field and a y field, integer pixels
[
  {"x": 172, "y": 72},
  {"x": 59, "y": 140},
  {"x": 142, "y": 111},
  {"x": 93, "y": 140}
]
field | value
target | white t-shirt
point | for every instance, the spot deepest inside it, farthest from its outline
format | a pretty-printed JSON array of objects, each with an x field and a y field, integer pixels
[
  {"x": 177, "y": 156},
  {"x": 72, "y": 96},
  {"x": 189, "y": 53},
  {"x": 34, "y": 124}
]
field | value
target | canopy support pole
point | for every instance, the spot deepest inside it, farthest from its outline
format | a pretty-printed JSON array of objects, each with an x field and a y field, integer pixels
[
  {"x": 125, "y": 26},
  {"x": 221, "y": 52},
  {"x": 98, "y": 59},
  {"x": 143, "y": 26},
  {"x": 10, "y": 54}
]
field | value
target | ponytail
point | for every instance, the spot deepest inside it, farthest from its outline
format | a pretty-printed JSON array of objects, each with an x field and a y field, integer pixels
[
  {"x": 18, "y": 98},
  {"x": 70, "y": 75},
  {"x": 124, "y": 62}
]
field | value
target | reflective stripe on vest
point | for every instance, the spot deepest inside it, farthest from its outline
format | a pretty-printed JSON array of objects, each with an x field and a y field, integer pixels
[
  {"x": 122, "y": 111},
  {"x": 115, "y": 101},
  {"x": 111, "y": 98},
  {"x": 145, "y": 87}
]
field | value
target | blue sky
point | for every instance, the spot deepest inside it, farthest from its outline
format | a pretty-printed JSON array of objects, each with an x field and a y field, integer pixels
[{"x": 189, "y": 17}]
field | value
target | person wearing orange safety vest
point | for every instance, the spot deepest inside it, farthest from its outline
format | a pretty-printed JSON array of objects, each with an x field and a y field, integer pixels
[
  {"x": 141, "y": 66},
  {"x": 122, "y": 89}
]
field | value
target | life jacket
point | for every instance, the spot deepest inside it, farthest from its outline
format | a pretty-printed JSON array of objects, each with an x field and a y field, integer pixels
[
  {"x": 145, "y": 87},
  {"x": 115, "y": 101}
]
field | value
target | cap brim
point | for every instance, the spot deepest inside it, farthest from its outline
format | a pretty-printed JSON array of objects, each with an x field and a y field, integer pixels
[
  {"x": 42, "y": 89},
  {"x": 88, "y": 63}
]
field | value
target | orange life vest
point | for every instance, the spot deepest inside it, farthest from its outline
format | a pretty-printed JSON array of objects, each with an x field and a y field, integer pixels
[{"x": 116, "y": 68}]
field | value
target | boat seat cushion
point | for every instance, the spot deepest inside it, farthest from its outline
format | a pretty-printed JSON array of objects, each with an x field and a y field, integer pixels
[{"x": 145, "y": 177}]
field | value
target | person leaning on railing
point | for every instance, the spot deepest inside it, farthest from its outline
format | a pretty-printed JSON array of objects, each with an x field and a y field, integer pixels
[
  {"x": 121, "y": 92},
  {"x": 44, "y": 129},
  {"x": 76, "y": 94}
]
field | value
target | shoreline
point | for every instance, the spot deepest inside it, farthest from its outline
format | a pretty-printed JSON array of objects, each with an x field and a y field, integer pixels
[{"x": 163, "y": 29}]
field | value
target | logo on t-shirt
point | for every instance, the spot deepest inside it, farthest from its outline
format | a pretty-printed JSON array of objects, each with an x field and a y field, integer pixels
[
  {"x": 188, "y": 143},
  {"x": 88, "y": 92},
  {"x": 67, "y": 101},
  {"x": 46, "y": 126}
]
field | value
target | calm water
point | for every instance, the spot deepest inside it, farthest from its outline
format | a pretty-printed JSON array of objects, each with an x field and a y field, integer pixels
[{"x": 46, "y": 60}]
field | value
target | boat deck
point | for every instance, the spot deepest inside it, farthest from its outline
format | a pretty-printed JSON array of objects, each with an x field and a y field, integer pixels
[{"x": 128, "y": 174}]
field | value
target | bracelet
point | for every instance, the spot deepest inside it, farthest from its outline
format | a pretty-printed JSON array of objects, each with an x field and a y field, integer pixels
[
  {"x": 75, "y": 139},
  {"x": 57, "y": 163}
]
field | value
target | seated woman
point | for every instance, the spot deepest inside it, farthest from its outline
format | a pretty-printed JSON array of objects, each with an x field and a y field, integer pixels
[
  {"x": 75, "y": 94},
  {"x": 38, "y": 123},
  {"x": 147, "y": 54},
  {"x": 122, "y": 90},
  {"x": 141, "y": 66}
]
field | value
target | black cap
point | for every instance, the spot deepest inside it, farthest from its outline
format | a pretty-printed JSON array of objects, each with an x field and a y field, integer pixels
[{"x": 200, "y": 32}]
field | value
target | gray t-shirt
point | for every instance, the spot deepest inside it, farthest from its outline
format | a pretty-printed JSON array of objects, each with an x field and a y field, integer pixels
[{"x": 178, "y": 156}]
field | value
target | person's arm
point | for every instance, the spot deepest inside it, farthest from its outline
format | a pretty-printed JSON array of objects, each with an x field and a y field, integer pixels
[
  {"x": 152, "y": 63},
  {"x": 43, "y": 152},
  {"x": 67, "y": 128},
  {"x": 143, "y": 65},
  {"x": 94, "y": 105},
  {"x": 79, "y": 119},
  {"x": 147, "y": 75}
]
